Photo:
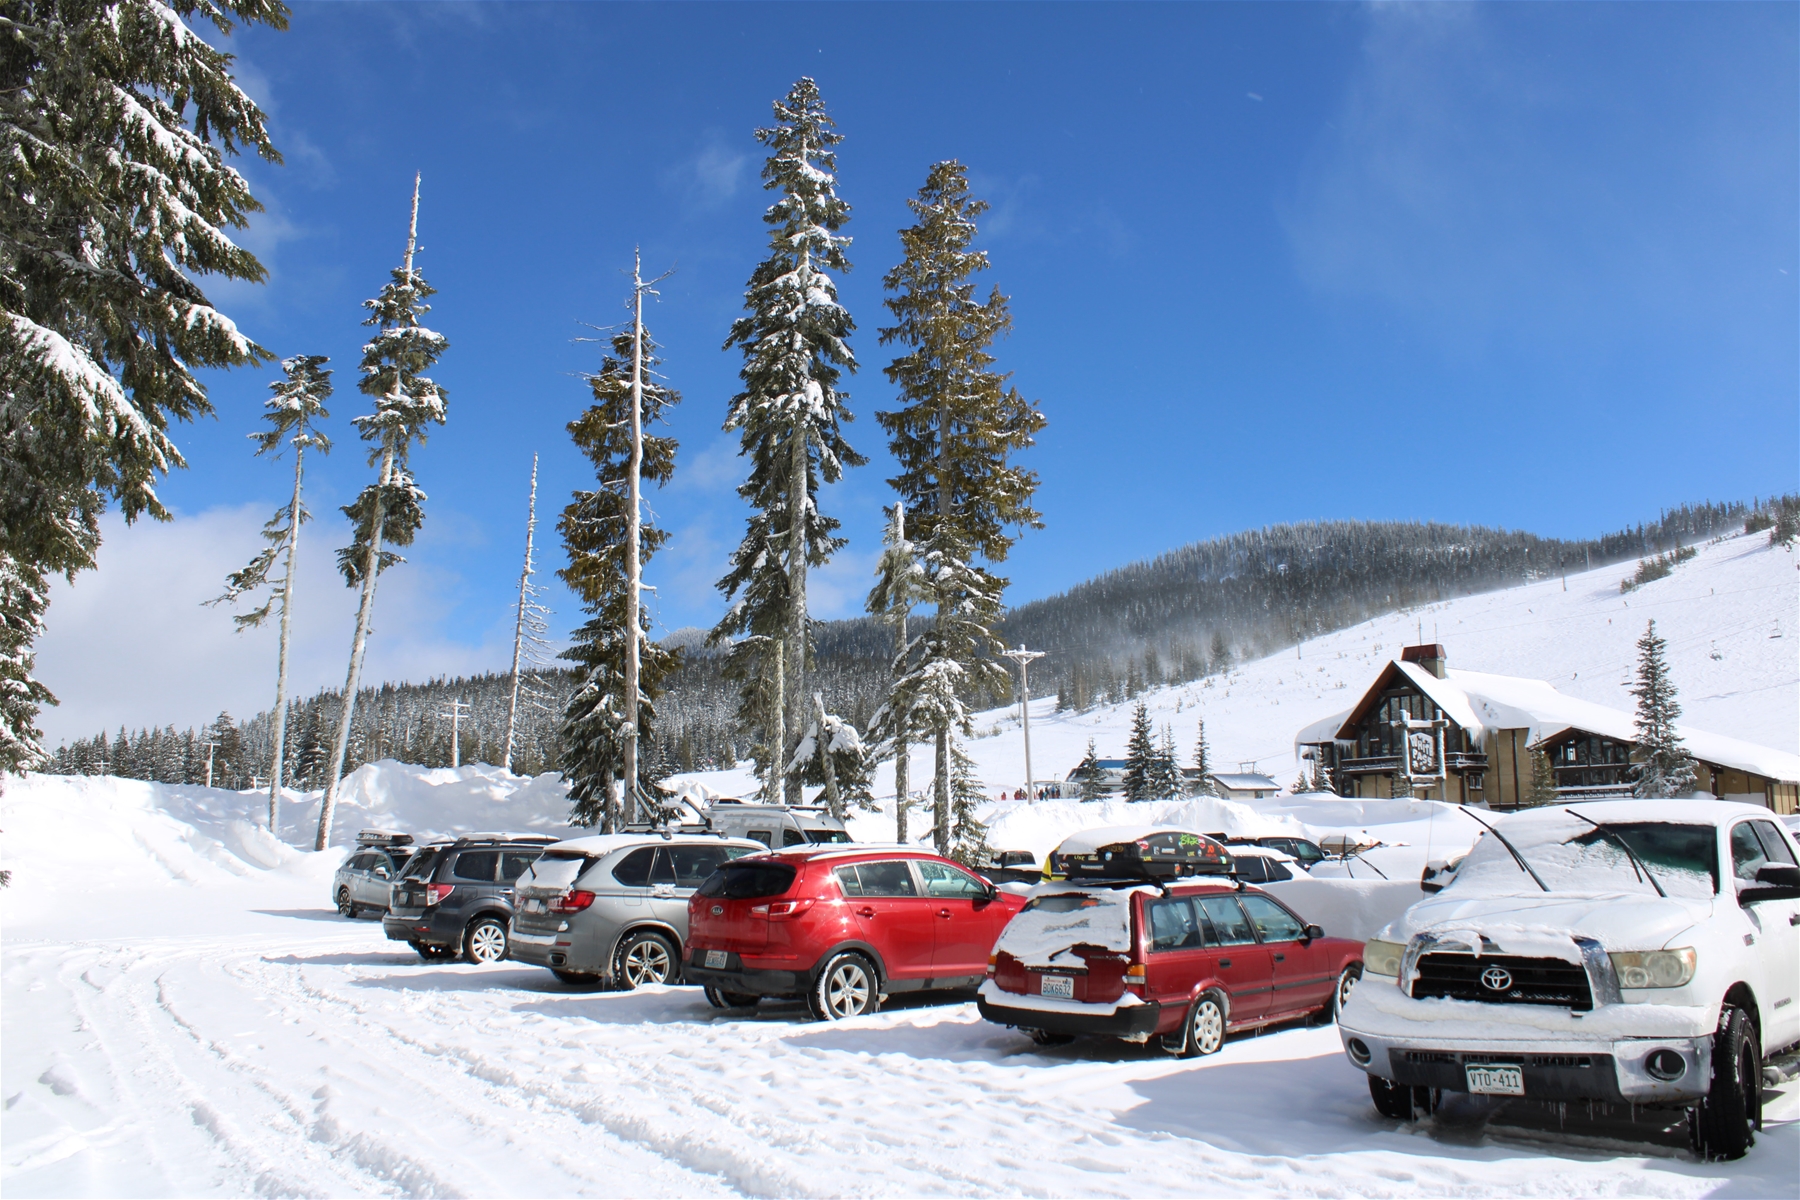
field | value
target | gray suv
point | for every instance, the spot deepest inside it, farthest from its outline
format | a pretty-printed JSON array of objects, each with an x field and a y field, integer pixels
[
  {"x": 363, "y": 881},
  {"x": 457, "y": 897},
  {"x": 613, "y": 909}
]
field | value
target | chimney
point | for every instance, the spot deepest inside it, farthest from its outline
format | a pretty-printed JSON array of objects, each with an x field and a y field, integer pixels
[{"x": 1430, "y": 656}]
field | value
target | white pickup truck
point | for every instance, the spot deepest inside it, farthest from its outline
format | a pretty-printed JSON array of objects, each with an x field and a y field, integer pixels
[{"x": 1643, "y": 952}]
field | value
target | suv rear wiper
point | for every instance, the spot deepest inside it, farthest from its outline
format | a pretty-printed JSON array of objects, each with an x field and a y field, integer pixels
[
  {"x": 1637, "y": 864},
  {"x": 1510, "y": 848}
]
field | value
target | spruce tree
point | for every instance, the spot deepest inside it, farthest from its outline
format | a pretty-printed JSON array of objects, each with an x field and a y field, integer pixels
[
  {"x": 831, "y": 755},
  {"x": 1090, "y": 775},
  {"x": 1140, "y": 754},
  {"x": 390, "y": 510},
  {"x": 1665, "y": 768},
  {"x": 594, "y": 529},
  {"x": 1165, "y": 774},
  {"x": 299, "y": 400},
  {"x": 1202, "y": 764},
  {"x": 794, "y": 342},
  {"x": 1542, "y": 788},
  {"x": 953, "y": 437},
  {"x": 968, "y": 836},
  {"x": 115, "y": 123}
]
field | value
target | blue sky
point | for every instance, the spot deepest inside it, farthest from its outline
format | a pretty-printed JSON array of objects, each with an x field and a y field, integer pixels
[{"x": 1530, "y": 265}]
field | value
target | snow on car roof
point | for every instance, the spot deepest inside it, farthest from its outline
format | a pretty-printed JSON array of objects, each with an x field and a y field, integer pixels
[
  {"x": 1683, "y": 812},
  {"x": 1090, "y": 840},
  {"x": 1251, "y": 850},
  {"x": 606, "y": 843}
]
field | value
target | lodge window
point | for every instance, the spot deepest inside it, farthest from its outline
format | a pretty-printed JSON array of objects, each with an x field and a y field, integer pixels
[{"x": 1378, "y": 738}]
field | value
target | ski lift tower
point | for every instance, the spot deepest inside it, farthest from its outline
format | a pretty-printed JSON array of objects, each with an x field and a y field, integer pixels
[{"x": 1024, "y": 658}]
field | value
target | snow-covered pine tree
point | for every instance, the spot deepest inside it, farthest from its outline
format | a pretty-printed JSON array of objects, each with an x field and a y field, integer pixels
[
  {"x": 1165, "y": 777},
  {"x": 968, "y": 836},
  {"x": 1321, "y": 778},
  {"x": 953, "y": 436},
  {"x": 1088, "y": 775},
  {"x": 594, "y": 527},
  {"x": 899, "y": 582},
  {"x": 831, "y": 754},
  {"x": 787, "y": 417},
  {"x": 390, "y": 510},
  {"x": 115, "y": 120},
  {"x": 299, "y": 400},
  {"x": 1666, "y": 768},
  {"x": 1140, "y": 756},
  {"x": 1202, "y": 761},
  {"x": 1542, "y": 788}
]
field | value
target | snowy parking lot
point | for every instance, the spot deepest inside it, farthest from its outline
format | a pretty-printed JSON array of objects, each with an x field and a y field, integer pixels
[{"x": 241, "y": 1038}]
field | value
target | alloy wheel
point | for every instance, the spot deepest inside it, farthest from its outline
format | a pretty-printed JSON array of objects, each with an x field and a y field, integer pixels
[
  {"x": 847, "y": 990},
  {"x": 647, "y": 962},
  {"x": 487, "y": 942}
]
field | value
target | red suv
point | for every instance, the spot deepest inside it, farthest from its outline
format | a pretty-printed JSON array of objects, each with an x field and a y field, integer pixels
[
  {"x": 1186, "y": 963},
  {"x": 842, "y": 926}
]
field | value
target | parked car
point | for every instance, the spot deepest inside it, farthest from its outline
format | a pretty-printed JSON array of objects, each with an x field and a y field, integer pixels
[
  {"x": 1305, "y": 852},
  {"x": 364, "y": 879},
  {"x": 614, "y": 909},
  {"x": 776, "y": 825},
  {"x": 1644, "y": 952},
  {"x": 1263, "y": 864},
  {"x": 1012, "y": 866},
  {"x": 841, "y": 926},
  {"x": 456, "y": 897},
  {"x": 1184, "y": 963}
]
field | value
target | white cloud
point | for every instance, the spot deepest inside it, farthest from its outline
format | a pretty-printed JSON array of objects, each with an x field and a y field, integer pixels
[
  {"x": 130, "y": 643},
  {"x": 709, "y": 177}
]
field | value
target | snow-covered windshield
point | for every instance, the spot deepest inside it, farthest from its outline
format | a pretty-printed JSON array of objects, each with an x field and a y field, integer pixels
[
  {"x": 1052, "y": 924},
  {"x": 1573, "y": 856}
]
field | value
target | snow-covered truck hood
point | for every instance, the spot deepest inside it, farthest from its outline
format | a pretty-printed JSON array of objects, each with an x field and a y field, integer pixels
[{"x": 1539, "y": 924}]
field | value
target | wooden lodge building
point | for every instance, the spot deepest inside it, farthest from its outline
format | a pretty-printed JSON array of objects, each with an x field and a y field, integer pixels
[{"x": 1424, "y": 730}]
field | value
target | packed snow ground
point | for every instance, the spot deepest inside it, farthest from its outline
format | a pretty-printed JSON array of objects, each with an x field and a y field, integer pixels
[{"x": 183, "y": 1013}]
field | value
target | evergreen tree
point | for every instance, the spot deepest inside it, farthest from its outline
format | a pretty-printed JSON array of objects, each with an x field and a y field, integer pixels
[
  {"x": 1202, "y": 763},
  {"x": 1165, "y": 773},
  {"x": 115, "y": 120},
  {"x": 1542, "y": 789},
  {"x": 594, "y": 530},
  {"x": 831, "y": 755},
  {"x": 390, "y": 509},
  {"x": 1666, "y": 768},
  {"x": 953, "y": 437},
  {"x": 1090, "y": 776},
  {"x": 787, "y": 417},
  {"x": 298, "y": 401},
  {"x": 1140, "y": 755},
  {"x": 968, "y": 836},
  {"x": 1321, "y": 778},
  {"x": 899, "y": 585}
]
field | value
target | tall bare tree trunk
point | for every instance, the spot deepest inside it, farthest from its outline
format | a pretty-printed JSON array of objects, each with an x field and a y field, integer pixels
[
  {"x": 795, "y": 651},
  {"x": 281, "y": 670},
  {"x": 633, "y": 532},
  {"x": 833, "y": 799},
  {"x": 512, "y": 704},
  {"x": 775, "y": 788},
  {"x": 902, "y": 749},
  {"x": 941, "y": 769}
]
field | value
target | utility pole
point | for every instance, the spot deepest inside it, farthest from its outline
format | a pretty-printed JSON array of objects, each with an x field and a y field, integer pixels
[
  {"x": 1024, "y": 658},
  {"x": 455, "y": 715},
  {"x": 210, "y": 747}
]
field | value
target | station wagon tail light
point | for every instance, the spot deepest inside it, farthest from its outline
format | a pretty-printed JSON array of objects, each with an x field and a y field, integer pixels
[
  {"x": 571, "y": 902},
  {"x": 435, "y": 892},
  {"x": 1654, "y": 968},
  {"x": 1382, "y": 958},
  {"x": 780, "y": 910},
  {"x": 1134, "y": 974},
  {"x": 992, "y": 960}
]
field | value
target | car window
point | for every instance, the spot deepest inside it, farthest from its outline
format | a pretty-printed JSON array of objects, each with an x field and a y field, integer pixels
[
  {"x": 421, "y": 864},
  {"x": 1250, "y": 868},
  {"x": 476, "y": 865},
  {"x": 692, "y": 864},
  {"x": 1229, "y": 926},
  {"x": 1747, "y": 856},
  {"x": 792, "y": 837},
  {"x": 514, "y": 863},
  {"x": 634, "y": 869},
  {"x": 765, "y": 836},
  {"x": 1174, "y": 925},
  {"x": 848, "y": 881},
  {"x": 354, "y": 862},
  {"x": 1276, "y": 870},
  {"x": 1273, "y": 922},
  {"x": 749, "y": 880},
  {"x": 942, "y": 879},
  {"x": 827, "y": 836},
  {"x": 1774, "y": 845},
  {"x": 886, "y": 879}
]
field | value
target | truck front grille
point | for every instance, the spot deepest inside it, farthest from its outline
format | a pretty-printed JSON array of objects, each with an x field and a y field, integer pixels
[{"x": 1504, "y": 979}]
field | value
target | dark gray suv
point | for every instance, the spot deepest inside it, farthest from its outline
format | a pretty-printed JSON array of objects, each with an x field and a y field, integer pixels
[{"x": 457, "y": 897}]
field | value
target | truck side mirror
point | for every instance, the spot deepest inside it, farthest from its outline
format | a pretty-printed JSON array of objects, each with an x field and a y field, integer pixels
[{"x": 1777, "y": 881}]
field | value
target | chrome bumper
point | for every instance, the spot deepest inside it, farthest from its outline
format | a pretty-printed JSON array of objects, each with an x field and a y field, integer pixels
[{"x": 1552, "y": 1068}]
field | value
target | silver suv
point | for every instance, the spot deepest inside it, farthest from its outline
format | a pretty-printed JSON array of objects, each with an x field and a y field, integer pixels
[
  {"x": 362, "y": 882},
  {"x": 613, "y": 909}
]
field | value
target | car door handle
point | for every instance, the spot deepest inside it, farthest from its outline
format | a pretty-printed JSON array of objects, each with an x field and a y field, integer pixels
[
  {"x": 1224, "y": 964},
  {"x": 1281, "y": 958},
  {"x": 865, "y": 912},
  {"x": 944, "y": 913}
]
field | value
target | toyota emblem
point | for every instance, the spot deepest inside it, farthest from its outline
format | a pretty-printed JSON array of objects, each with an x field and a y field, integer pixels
[
  {"x": 719, "y": 911},
  {"x": 1494, "y": 979}
]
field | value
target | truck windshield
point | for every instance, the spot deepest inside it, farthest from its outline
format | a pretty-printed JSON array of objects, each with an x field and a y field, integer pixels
[{"x": 1573, "y": 856}]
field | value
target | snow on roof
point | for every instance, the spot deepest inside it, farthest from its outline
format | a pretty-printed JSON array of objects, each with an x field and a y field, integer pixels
[
  {"x": 1323, "y": 730},
  {"x": 1482, "y": 703},
  {"x": 1246, "y": 783},
  {"x": 1704, "y": 811}
]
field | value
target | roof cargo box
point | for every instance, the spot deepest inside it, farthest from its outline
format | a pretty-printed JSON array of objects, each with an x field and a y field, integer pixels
[
  {"x": 1164, "y": 854},
  {"x": 383, "y": 837}
]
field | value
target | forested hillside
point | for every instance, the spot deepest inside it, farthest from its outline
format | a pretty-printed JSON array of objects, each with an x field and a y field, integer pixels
[{"x": 1188, "y": 613}]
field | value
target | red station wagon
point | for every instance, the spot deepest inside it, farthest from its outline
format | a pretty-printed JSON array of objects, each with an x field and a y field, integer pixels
[
  {"x": 1186, "y": 962},
  {"x": 841, "y": 926}
]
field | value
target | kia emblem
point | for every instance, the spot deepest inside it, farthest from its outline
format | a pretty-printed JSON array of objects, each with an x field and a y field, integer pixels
[
  {"x": 718, "y": 910},
  {"x": 1494, "y": 979}
]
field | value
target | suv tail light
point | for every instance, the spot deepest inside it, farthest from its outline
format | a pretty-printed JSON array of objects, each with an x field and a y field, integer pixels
[
  {"x": 781, "y": 909},
  {"x": 570, "y": 902},
  {"x": 435, "y": 892}
]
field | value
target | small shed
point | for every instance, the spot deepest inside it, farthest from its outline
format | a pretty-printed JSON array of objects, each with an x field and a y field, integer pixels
[{"x": 1244, "y": 786}]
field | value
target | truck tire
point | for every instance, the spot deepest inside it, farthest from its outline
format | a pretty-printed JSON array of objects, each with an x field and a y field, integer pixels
[
  {"x": 1400, "y": 1102},
  {"x": 1722, "y": 1126}
]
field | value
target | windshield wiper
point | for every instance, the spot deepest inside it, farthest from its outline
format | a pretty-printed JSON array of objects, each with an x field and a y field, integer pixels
[
  {"x": 1637, "y": 864},
  {"x": 1510, "y": 848}
]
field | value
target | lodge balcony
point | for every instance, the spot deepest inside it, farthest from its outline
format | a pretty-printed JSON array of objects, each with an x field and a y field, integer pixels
[{"x": 1456, "y": 762}]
